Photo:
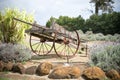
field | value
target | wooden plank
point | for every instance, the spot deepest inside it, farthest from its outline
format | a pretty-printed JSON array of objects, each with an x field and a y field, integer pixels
[
  {"x": 66, "y": 35},
  {"x": 40, "y": 31}
]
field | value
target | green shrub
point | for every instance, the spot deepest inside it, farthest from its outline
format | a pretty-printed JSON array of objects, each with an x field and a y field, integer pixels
[
  {"x": 11, "y": 30},
  {"x": 107, "y": 58}
]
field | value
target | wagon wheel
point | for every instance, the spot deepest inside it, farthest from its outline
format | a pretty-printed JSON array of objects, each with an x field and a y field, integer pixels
[
  {"x": 40, "y": 46},
  {"x": 67, "y": 47}
]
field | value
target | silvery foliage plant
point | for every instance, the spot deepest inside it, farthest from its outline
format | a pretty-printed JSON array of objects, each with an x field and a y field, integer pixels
[
  {"x": 105, "y": 55},
  {"x": 14, "y": 52},
  {"x": 90, "y": 36}
]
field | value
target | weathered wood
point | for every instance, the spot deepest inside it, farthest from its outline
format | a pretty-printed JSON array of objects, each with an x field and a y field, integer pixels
[
  {"x": 59, "y": 35},
  {"x": 45, "y": 36},
  {"x": 42, "y": 32},
  {"x": 35, "y": 25}
]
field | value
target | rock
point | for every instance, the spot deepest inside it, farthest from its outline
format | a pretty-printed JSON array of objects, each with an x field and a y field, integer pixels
[
  {"x": 8, "y": 66},
  {"x": 31, "y": 70},
  {"x": 74, "y": 72},
  {"x": 18, "y": 68},
  {"x": 113, "y": 75},
  {"x": 44, "y": 68},
  {"x": 59, "y": 73},
  {"x": 57, "y": 65},
  {"x": 65, "y": 73},
  {"x": 93, "y": 73},
  {"x": 1, "y": 66}
]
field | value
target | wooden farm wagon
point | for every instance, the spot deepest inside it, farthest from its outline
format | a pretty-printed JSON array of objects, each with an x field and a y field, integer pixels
[{"x": 43, "y": 40}]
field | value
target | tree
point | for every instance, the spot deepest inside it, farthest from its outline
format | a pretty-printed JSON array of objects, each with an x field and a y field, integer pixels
[
  {"x": 105, "y": 23},
  {"x": 49, "y": 22},
  {"x": 104, "y": 5},
  {"x": 69, "y": 23}
]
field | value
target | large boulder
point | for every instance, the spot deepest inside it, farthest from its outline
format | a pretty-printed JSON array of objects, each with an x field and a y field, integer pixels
[
  {"x": 31, "y": 70},
  {"x": 113, "y": 75},
  {"x": 57, "y": 65},
  {"x": 67, "y": 72},
  {"x": 93, "y": 73},
  {"x": 74, "y": 72},
  {"x": 59, "y": 73},
  {"x": 44, "y": 68},
  {"x": 1, "y": 66},
  {"x": 18, "y": 68},
  {"x": 8, "y": 66}
]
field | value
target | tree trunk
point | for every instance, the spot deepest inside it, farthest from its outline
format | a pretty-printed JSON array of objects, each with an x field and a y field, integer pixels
[{"x": 96, "y": 8}]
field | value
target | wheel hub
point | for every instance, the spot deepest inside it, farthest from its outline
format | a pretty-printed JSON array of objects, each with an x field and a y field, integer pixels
[
  {"x": 42, "y": 40},
  {"x": 66, "y": 41}
]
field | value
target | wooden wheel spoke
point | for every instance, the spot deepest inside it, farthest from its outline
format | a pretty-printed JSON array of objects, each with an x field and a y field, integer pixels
[
  {"x": 46, "y": 47},
  {"x": 37, "y": 47},
  {"x": 68, "y": 49},
  {"x": 35, "y": 43},
  {"x": 71, "y": 49},
  {"x": 40, "y": 48},
  {"x": 71, "y": 44},
  {"x": 59, "y": 46},
  {"x": 43, "y": 48},
  {"x": 63, "y": 49}
]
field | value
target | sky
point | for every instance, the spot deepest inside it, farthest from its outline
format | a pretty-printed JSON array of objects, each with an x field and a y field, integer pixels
[{"x": 44, "y": 9}]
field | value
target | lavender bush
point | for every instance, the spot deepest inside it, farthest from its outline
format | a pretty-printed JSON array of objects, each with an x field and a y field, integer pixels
[
  {"x": 14, "y": 52},
  {"x": 90, "y": 36},
  {"x": 106, "y": 56}
]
